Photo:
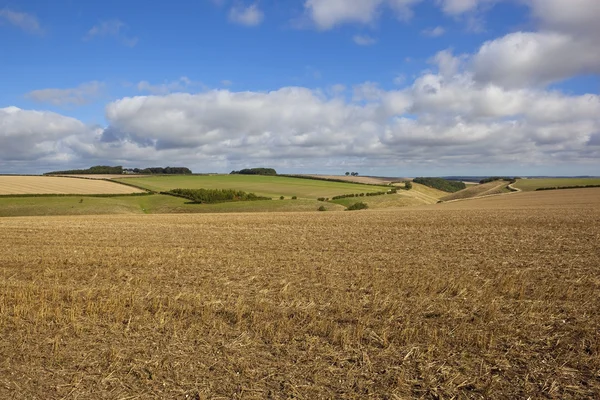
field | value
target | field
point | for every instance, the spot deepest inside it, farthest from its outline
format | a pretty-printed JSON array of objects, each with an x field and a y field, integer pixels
[
  {"x": 430, "y": 302},
  {"x": 485, "y": 189},
  {"x": 269, "y": 186},
  {"x": 528, "y": 185},
  {"x": 60, "y": 185}
]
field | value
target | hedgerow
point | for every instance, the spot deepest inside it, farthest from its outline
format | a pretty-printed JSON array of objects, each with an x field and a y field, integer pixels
[{"x": 212, "y": 196}]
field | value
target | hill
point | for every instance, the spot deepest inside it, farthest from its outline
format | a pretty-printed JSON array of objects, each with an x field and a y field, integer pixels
[{"x": 484, "y": 189}]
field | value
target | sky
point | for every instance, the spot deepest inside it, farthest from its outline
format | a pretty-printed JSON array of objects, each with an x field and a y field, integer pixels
[{"x": 380, "y": 87}]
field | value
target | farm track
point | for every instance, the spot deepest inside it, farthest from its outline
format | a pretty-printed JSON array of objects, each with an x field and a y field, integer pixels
[{"x": 415, "y": 303}]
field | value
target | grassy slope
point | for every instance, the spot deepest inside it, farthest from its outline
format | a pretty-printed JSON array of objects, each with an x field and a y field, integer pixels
[
  {"x": 486, "y": 189},
  {"x": 528, "y": 185},
  {"x": 154, "y": 204},
  {"x": 270, "y": 186}
]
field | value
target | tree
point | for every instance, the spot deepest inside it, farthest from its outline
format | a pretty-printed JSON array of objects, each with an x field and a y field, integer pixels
[
  {"x": 408, "y": 185},
  {"x": 347, "y": 173}
]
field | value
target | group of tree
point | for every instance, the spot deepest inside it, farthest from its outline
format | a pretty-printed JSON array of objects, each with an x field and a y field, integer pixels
[
  {"x": 159, "y": 171},
  {"x": 255, "y": 171},
  {"x": 97, "y": 169},
  {"x": 441, "y": 184},
  {"x": 499, "y": 178},
  {"x": 212, "y": 196},
  {"x": 119, "y": 170},
  {"x": 351, "y": 173}
]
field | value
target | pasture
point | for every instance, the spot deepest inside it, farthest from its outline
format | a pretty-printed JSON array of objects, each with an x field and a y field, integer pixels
[
  {"x": 426, "y": 302},
  {"x": 528, "y": 185},
  {"x": 14, "y": 185},
  {"x": 269, "y": 186}
]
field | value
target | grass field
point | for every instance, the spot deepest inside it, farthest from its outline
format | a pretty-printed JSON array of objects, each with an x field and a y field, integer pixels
[
  {"x": 415, "y": 303},
  {"x": 152, "y": 204},
  {"x": 60, "y": 185},
  {"x": 528, "y": 185},
  {"x": 269, "y": 186}
]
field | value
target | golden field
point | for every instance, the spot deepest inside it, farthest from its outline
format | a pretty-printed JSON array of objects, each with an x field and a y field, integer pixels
[
  {"x": 60, "y": 185},
  {"x": 496, "y": 298}
]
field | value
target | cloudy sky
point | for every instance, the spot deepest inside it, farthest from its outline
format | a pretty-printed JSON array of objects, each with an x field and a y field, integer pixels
[{"x": 389, "y": 87}]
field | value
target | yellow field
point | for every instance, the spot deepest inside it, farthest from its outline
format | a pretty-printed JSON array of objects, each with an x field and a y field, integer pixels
[
  {"x": 496, "y": 301},
  {"x": 60, "y": 185}
]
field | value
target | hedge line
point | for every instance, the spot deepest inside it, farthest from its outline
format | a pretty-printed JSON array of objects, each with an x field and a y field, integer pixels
[
  {"x": 212, "y": 196},
  {"x": 568, "y": 187},
  {"x": 317, "y": 178}
]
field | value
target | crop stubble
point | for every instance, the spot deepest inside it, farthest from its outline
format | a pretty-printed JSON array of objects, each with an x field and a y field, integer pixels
[
  {"x": 60, "y": 185},
  {"x": 437, "y": 303}
]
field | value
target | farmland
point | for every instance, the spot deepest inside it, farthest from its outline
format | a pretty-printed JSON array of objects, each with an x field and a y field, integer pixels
[
  {"x": 426, "y": 302},
  {"x": 60, "y": 185},
  {"x": 269, "y": 186},
  {"x": 536, "y": 183}
]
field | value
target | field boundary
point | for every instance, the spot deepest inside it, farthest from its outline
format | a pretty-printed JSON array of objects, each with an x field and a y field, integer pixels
[
  {"x": 316, "y": 178},
  {"x": 75, "y": 195}
]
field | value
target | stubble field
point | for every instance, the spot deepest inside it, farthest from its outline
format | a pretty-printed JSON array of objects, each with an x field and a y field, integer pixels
[
  {"x": 13, "y": 185},
  {"x": 485, "y": 302}
]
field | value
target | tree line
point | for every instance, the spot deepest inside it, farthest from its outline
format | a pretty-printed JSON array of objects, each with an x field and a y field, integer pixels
[
  {"x": 119, "y": 170},
  {"x": 441, "y": 184},
  {"x": 255, "y": 171}
]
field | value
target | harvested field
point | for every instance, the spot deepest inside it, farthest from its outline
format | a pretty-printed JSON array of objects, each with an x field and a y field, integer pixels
[
  {"x": 535, "y": 183},
  {"x": 60, "y": 185},
  {"x": 102, "y": 176},
  {"x": 415, "y": 303},
  {"x": 370, "y": 180}
]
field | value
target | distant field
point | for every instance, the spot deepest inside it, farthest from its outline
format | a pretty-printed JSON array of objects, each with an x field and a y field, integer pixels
[
  {"x": 492, "y": 298},
  {"x": 528, "y": 185},
  {"x": 60, "y": 185},
  {"x": 269, "y": 186}
]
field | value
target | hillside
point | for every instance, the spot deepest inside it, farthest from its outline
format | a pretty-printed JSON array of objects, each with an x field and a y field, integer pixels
[{"x": 485, "y": 189}]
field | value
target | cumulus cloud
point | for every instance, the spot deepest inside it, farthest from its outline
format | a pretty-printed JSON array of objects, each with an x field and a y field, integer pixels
[
  {"x": 27, "y": 135},
  {"x": 442, "y": 119},
  {"x": 113, "y": 28},
  {"x": 250, "y": 15},
  {"x": 326, "y": 14},
  {"x": 27, "y": 22},
  {"x": 80, "y": 95}
]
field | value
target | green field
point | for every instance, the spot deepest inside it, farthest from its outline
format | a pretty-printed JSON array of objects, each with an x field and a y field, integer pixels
[
  {"x": 269, "y": 186},
  {"x": 528, "y": 185},
  {"x": 153, "y": 204}
]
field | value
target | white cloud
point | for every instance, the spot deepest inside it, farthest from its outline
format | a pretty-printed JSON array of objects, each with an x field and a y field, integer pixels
[
  {"x": 326, "y": 14},
  {"x": 112, "y": 28},
  {"x": 182, "y": 84},
  {"x": 80, "y": 95},
  {"x": 36, "y": 135},
  {"x": 434, "y": 32},
  {"x": 27, "y": 22},
  {"x": 248, "y": 16},
  {"x": 364, "y": 40},
  {"x": 535, "y": 58}
]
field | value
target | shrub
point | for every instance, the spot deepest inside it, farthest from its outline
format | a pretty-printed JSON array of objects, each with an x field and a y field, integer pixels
[
  {"x": 211, "y": 196},
  {"x": 358, "y": 206},
  {"x": 407, "y": 185},
  {"x": 321, "y": 199},
  {"x": 322, "y": 208},
  {"x": 281, "y": 198},
  {"x": 294, "y": 197}
]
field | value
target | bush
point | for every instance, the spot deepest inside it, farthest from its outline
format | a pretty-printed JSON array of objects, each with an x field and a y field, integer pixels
[
  {"x": 321, "y": 199},
  {"x": 294, "y": 197},
  {"x": 407, "y": 185},
  {"x": 211, "y": 196},
  {"x": 322, "y": 208},
  {"x": 281, "y": 198},
  {"x": 358, "y": 206}
]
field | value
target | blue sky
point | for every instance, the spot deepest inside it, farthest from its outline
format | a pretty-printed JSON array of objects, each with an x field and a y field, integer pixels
[{"x": 391, "y": 87}]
